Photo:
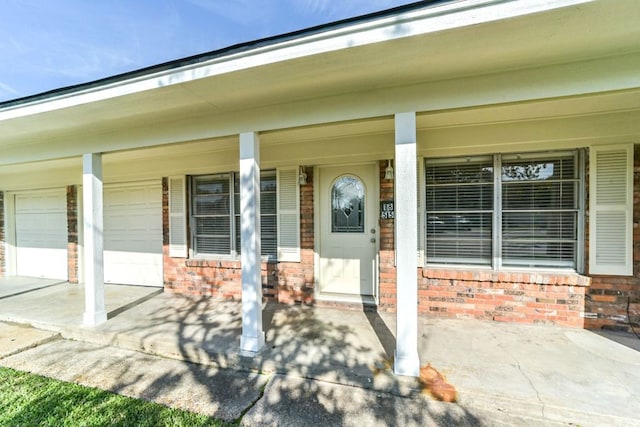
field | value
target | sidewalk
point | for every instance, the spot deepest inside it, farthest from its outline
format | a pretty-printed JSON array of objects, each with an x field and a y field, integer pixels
[{"x": 329, "y": 367}]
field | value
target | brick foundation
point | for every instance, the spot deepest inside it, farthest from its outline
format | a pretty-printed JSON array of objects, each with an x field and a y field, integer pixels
[
  {"x": 613, "y": 302},
  {"x": 536, "y": 298}
]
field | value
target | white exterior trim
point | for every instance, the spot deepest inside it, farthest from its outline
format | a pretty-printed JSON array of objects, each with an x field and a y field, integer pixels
[
  {"x": 599, "y": 75},
  {"x": 288, "y": 214},
  {"x": 252, "y": 338},
  {"x": 611, "y": 214},
  {"x": 422, "y": 204},
  {"x": 95, "y": 311},
  {"x": 407, "y": 361},
  {"x": 10, "y": 256},
  {"x": 178, "y": 238}
]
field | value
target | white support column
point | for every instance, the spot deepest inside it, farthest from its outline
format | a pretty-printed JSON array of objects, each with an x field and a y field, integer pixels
[
  {"x": 407, "y": 361},
  {"x": 94, "y": 312},
  {"x": 252, "y": 338}
]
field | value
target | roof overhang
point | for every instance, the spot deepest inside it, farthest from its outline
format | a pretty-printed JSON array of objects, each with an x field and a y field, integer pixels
[{"x": 417, "y": 57}]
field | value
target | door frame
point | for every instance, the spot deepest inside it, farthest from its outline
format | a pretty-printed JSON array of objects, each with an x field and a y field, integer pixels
[{"x": 317, "y": 232}]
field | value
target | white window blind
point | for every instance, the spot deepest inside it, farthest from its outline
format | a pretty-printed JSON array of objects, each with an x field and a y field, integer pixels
[
  {"x": 540, "y": 202},
  {"x": 420, "y": 203},
  {"x": 177, "y": 218},
  {"x": 211, "y": 204},
  {"x": 268, "y": 220},
  {"x": 505, "y": 210},
  {"x": 611, "y": 210},
  {"x": 459, "y": 211},
  {"x": 288, "y": 200},
  {"x": 215, "y": 201}
]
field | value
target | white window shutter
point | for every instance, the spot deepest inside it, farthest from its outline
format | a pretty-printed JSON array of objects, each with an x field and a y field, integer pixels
[
  {"x": 611, "y": 210},
  {"x": 288, "y": 215},
  {"x": 177, "y": 218},
  {"x": 419, "y": 197}
]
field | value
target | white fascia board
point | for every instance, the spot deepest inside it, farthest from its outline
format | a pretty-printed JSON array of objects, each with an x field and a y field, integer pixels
[
  {"x": 429, "y": 20},
  {"x": 604, "y": 75}
]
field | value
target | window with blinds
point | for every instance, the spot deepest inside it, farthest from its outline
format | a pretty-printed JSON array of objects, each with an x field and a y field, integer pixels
[
  {"x": 215, "y": 201},
  {"x": 459, "y": 211},
  {"x": 540, "y": 211},
  {"x": 211, "y": 209},
  {"x": 525, "y": 216}
]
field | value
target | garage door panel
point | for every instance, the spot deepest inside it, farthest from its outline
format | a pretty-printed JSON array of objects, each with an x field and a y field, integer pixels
[
  {"x": 41, "y": 234},
  {"x": 133, "y": 235},
  {"x": 35, "y": 231}
]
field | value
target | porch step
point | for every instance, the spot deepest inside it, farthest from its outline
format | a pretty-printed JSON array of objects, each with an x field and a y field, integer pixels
[{"x": 17, "y": 337}]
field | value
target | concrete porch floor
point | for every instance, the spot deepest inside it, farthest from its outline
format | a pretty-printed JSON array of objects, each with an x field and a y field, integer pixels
[
  {"x": 559, "y": 374},
  {"x": 54, "y": 304}
]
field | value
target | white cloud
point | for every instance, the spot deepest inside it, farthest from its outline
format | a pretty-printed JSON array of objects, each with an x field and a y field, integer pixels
[
  {"x": 346, "y": 9},
  {"x": 6, "y": 91},
  {"x": 241, "y": 12}
]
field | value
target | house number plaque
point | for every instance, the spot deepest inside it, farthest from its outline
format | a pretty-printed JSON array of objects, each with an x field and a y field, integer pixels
[{"x": 386, "y": 209}]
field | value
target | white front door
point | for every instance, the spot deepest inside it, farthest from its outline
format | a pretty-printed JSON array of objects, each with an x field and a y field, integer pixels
[
  {"x": 41, "y": 234},
  {"x": 133, "y": 234},
  {"x": 348, "y": 196}
]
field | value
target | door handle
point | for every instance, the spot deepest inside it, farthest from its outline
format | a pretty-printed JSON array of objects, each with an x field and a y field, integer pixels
[{"x": 373, "y": 240}]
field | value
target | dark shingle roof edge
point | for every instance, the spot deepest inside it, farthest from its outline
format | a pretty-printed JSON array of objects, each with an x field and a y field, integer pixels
[{"x": 220, "y": 53}]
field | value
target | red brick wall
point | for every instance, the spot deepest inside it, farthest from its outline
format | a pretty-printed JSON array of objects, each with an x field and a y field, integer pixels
[
  {"x": 387, "y": 266},
  {"x": 540, "y": 298},
  {"x": 295, "y": 281},
  {"x": 537, "y": 298},
  {"x": 72, "y": 233},
  {"x": 610, "y": 296},
  {"x": 286, "y": 282},
  {"x": 2, "y": 236}
]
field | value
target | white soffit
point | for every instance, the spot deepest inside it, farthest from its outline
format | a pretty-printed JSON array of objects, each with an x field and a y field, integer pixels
[{"x": 575, "y": 106}]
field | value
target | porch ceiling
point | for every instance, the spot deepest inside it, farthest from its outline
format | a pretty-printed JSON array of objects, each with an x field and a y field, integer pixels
[{"x": 581, "y": 31}]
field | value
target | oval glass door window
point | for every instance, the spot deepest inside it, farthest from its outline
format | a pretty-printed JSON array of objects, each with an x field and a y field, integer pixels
[{"x": 347, "y": 205}]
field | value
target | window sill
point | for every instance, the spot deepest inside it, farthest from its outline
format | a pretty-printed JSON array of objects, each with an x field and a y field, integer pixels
[
  {"x": 221, "y": 261},
  {"x": 529, "y": 276}
]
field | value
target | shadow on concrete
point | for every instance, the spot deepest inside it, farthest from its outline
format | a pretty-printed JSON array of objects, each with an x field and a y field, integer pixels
[
  {"x": 17, "y": 285},
  {"x": 382, "y": 331},
  {"x": 319, "y": 365},
  {"x": 625, "y": 338},
  {"x": 324, "y": 366},
  {"x": 132, "y": 304}
]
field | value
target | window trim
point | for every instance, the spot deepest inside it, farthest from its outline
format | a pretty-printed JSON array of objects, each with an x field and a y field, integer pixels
[
  {"x": 234, "y": 254},
  {"x": 496, "y": 232},
  {"x": 489, "y": 242},
  {"x": 623, "y": 266}
]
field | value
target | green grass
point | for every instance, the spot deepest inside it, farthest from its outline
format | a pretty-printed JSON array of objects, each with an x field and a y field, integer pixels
[{"x": 32, "y": 400}]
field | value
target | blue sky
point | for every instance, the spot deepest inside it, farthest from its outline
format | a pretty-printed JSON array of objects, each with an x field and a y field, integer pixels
[{"x": 49, "y": 44}]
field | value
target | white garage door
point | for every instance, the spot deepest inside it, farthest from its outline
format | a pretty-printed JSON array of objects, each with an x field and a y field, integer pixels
[
  {"x": 133, "y": 235},
  {"x": 41, "y": 234}
]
